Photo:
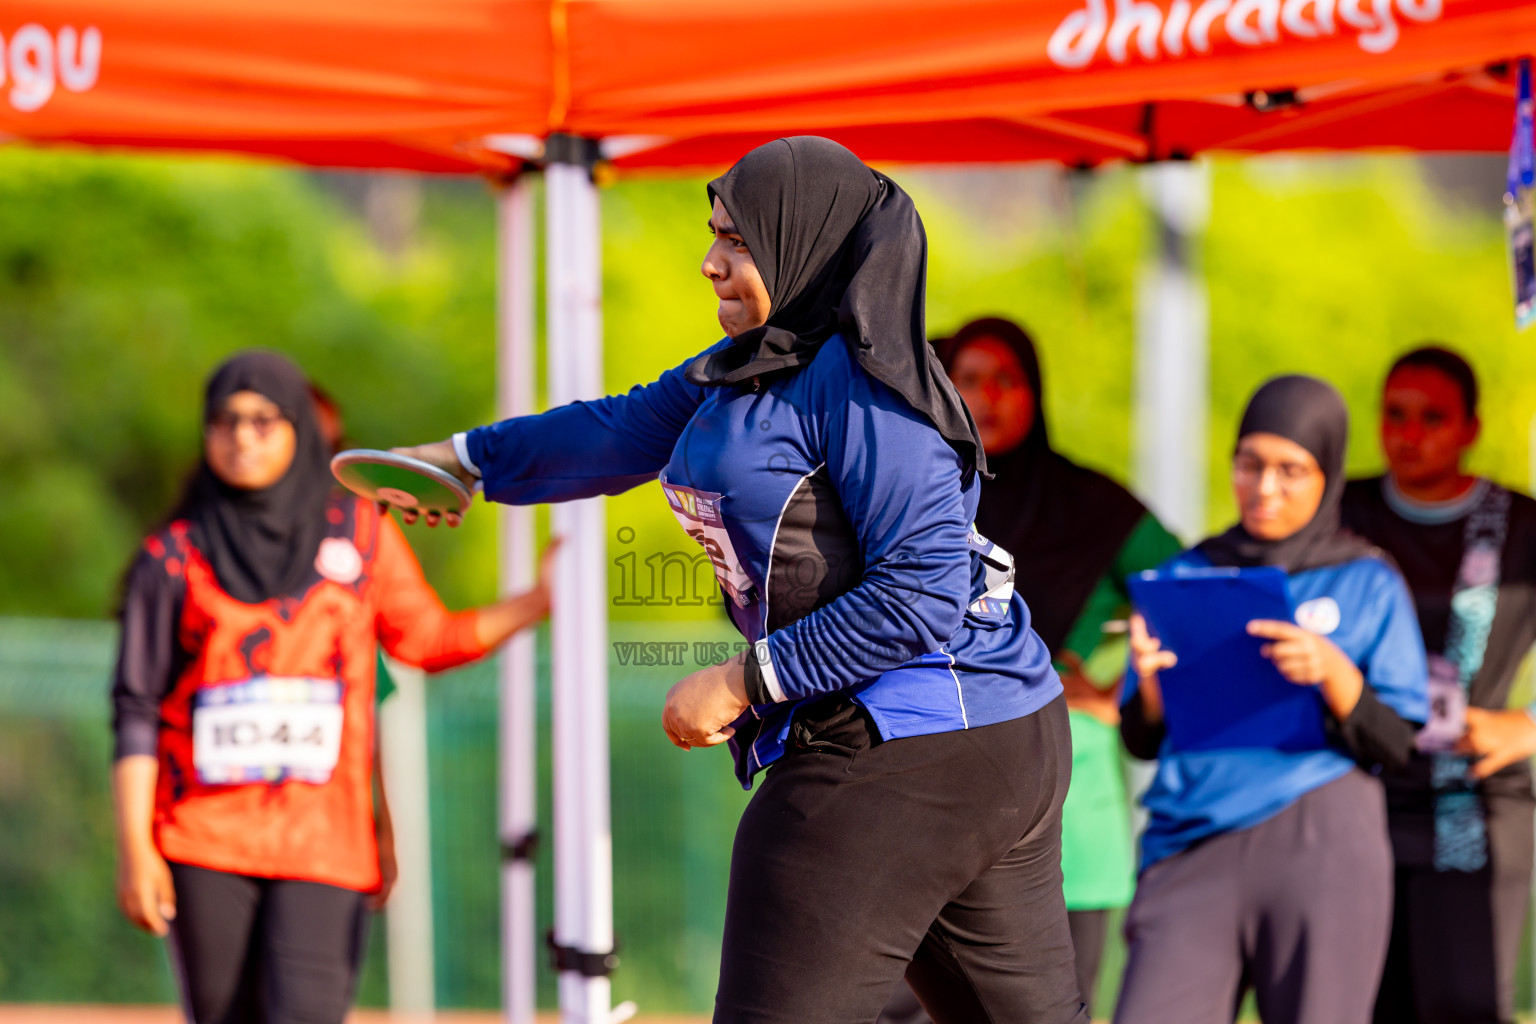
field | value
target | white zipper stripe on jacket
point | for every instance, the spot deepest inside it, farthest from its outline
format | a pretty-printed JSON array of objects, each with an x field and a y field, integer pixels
[
  {"x": 768, "y": 575},
  {"x": 774, "y": 542},
  {"x": 965, "y": 720}
]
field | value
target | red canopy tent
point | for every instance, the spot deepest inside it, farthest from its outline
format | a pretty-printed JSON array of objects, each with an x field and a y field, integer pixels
[
  {"x": 490, "y": 85},
  {"x": 398, "y": 83}
]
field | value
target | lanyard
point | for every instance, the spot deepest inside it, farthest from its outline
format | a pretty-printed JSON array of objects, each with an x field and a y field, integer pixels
[{"x": 1522, "y": 160}]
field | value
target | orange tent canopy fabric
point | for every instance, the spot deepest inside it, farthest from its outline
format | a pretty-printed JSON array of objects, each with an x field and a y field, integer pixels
[{"x": 689, "y": 83}]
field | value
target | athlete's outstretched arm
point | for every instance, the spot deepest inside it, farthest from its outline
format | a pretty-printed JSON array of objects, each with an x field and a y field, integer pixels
[
  {"x": 574, "y": 451},
  {"x": 415, "y": 627},
  {"x": 497, "y": 622}
]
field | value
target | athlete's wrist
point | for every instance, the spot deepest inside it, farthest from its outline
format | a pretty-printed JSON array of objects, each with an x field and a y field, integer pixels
[
  {"x": 460, "y": 442},
  {"x": 441, "y": 454},
  {"x": 135, "y": 838},
  {"x": 138, "y": 848},
  {"x": 736, "y": 678},
  {"x": 759, "y": 678}
]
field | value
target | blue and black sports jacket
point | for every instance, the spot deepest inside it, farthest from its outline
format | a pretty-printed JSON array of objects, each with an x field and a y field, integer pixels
[{"x": 839, "y": 521}]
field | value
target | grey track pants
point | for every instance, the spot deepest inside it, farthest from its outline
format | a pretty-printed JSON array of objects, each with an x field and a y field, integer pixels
[{"x": 1298, "y": 908}]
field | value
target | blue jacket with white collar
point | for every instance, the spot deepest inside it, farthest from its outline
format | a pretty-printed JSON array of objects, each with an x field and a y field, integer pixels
[{"x": 839, "y": 522}]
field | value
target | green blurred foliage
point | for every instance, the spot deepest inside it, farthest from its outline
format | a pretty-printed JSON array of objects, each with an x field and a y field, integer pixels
[
  {"x": 63, "y": 935},
  {"x": 124, "y": 281},
  {"x": 1336, "y": 267},
  {"x": 63, "y": 938}
]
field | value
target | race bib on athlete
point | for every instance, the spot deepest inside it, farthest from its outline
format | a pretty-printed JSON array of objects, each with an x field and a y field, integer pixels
[
  {"x": 267, "y": 729},
  {"x": 998, "y": 563},
  {"x": 698, "y": 512}
]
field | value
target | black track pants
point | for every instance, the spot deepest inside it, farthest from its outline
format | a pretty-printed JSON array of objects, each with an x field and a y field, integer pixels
[
  {"x": 1456, "y": 934},
  {"x": 938, "y": 856},
  {"x": 265, "y": 951}
]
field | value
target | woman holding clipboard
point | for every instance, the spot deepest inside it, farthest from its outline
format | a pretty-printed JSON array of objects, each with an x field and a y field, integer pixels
[{"x": 1262, "y": 866}]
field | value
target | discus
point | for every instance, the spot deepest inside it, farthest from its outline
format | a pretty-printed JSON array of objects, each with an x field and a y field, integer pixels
[{"x": 406, "y": 483}]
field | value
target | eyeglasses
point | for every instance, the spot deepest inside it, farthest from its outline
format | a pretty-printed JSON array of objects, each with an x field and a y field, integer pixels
[
  {"x": 228, "y": 423},
  {"x": 1289, "y": 475}
]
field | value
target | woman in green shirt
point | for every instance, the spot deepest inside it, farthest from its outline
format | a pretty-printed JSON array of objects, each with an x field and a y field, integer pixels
[{"x": 1074, "y": 535}]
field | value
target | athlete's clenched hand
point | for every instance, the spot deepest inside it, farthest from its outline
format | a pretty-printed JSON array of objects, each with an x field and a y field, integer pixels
[
  {"x": 145, "y": 891},
  {"x": 441, "y": 455},
  {"x": 701, "y": 707}
]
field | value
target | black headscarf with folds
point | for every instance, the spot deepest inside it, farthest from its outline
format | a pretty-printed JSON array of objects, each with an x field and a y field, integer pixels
[
  {"x": 1311, "y": 413},
  {"x": 262, "y": 544},
  {"x": 1063, "y": 523},
  {"x": 841, "y": 250}
]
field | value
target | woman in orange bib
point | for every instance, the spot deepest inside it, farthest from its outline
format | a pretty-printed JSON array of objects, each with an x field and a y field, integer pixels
[{"x": 244, "y": 707}]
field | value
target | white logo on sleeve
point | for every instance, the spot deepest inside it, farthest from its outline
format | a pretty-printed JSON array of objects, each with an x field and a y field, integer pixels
[
  {"x": 338, "y": 559},
  {"x": 1320, "y": 615}
]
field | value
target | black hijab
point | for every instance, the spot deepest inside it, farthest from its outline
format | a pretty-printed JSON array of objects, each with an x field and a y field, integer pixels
[
  {"x": 1063, "y": 524},
  {"x": 262, "y": 544},
  {"x": 841, "y": 249},
  {"x": 1311, "y": 413}
]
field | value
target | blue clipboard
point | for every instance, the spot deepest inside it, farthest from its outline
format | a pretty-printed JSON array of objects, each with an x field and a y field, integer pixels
[{"x": 1223, "y": 693}]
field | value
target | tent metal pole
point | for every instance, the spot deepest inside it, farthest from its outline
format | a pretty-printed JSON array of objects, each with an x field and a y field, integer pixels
[
  {"x": 408, "y": 924},
  {"x": 518, "y": 732},
  {"x": 1172, "y": 351},
  {"x": 1172, "y": 386},
  {"x": 579, "y": 623}
]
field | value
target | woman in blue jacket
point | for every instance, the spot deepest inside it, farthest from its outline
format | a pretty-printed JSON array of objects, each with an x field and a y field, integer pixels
[
  {"x": 912, "y": 726},
  {"x": 1264, "y": 867}
]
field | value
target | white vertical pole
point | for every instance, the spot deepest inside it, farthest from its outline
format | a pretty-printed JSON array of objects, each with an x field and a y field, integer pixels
[
  {"x": 1530, "y": 460},
  {"x": 1527, "y": 668},
  {"x": 1172, "y": 351},
  {"x": 579, "y": 623},
  {"x": 408, "y": 920},
  {"x": 1172, "y": 372},
  {"x": 519, "y": 701}
]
